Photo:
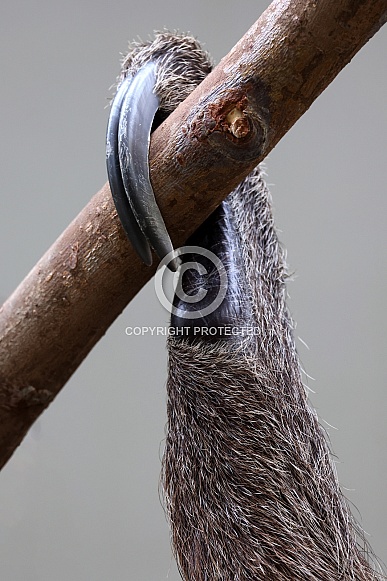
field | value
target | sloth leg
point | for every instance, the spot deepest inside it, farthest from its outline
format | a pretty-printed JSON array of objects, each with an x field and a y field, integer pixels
[{"x": 250, "y": 486}]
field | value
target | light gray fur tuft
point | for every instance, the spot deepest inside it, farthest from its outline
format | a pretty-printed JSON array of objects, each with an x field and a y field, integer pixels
[{"x": 183, "y": 64}]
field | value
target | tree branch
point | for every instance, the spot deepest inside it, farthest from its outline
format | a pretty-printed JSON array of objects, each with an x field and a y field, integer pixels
[{"x": 199, "y": 154}]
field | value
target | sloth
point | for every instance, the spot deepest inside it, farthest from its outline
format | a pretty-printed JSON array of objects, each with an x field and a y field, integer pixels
[{"x": 250, "y": 487}]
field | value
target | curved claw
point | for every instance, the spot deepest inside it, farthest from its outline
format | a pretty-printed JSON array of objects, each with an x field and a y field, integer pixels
[
  {"x": 138, "y": 109},
  {"x": 124, "y": 211}
]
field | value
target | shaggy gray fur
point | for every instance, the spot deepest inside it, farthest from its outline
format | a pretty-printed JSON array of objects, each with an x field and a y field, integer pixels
[
  {"x": 183, "y": 64},
  {"x": 250, "y": 487}
]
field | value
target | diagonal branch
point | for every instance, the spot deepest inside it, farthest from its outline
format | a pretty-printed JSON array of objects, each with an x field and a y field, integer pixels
[{"x": 199, "y": 154}]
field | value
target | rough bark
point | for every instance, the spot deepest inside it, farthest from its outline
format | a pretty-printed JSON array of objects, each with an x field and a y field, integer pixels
[{"x": 199, "y": 154}]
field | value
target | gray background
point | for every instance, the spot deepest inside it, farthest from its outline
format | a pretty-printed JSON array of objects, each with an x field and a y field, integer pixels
[{"x": 79, "y": 499}]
